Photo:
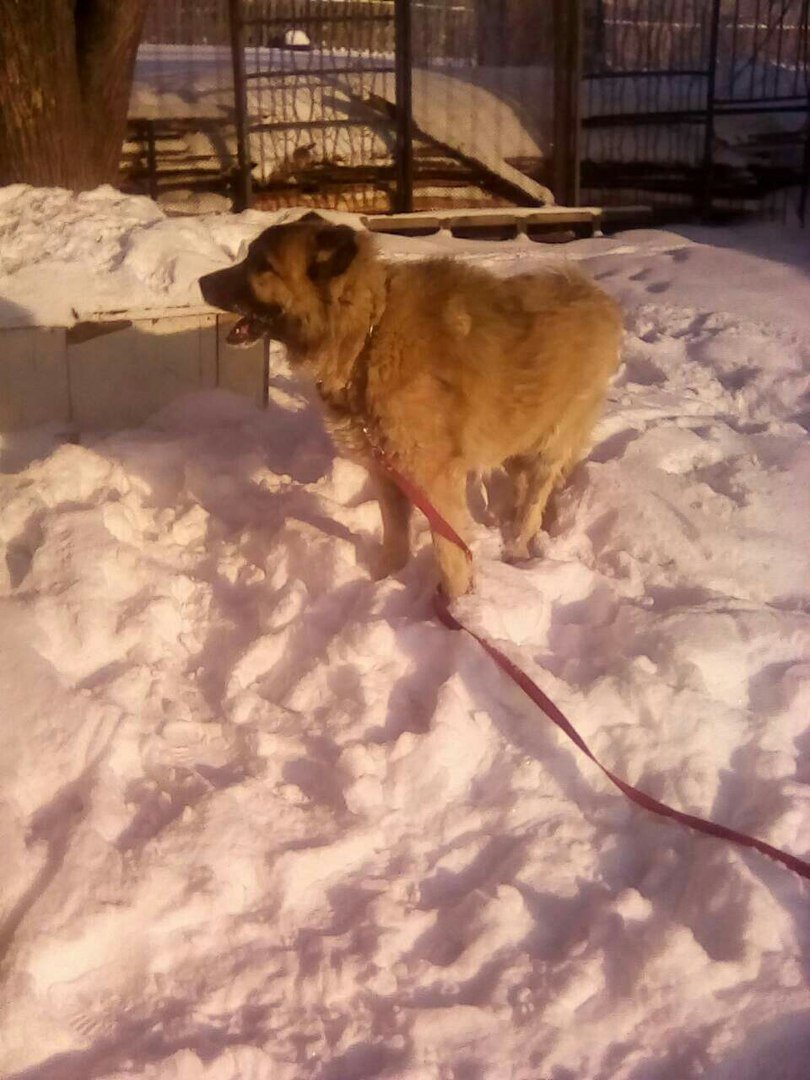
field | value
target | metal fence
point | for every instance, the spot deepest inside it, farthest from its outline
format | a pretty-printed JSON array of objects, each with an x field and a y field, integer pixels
[
  {"x": 394, "y": 104},
  {"x": 359, "y": 104},
  {"x": 317, "y": 78},
  {"x": 482, "y": 102},
  {"x": 378, "y": 105},
  {"x": 697, "y": 103}
]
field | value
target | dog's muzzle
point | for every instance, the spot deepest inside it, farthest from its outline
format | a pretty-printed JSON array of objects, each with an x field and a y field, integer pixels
[{"x": 228, "y": 290}]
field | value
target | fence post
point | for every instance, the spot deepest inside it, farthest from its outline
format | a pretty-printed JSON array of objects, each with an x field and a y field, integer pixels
[
  {"x": 243, "y": 193},
  {"x": 707, "y": 171},
  {"x": 151, "y": 158},
  {"x": 805, "y": 188},
  {"x": 567, "y": 91},
  {"x": 404, "y": 106}
]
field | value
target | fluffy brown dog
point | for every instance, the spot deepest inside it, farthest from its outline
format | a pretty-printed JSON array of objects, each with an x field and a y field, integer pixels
[{"x": 444, "y": 367}]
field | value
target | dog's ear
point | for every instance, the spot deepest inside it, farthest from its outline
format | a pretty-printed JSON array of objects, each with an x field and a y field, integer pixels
[
  {"x": 311, "y": 216},
  {"x": 335, "y": 249}
]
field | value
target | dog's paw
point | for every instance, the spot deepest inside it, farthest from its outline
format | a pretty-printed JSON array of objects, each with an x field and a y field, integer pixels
[
  {"x": 517, "y": 551},
  {"x": 456, "y": 577},
  {"x": 385, "y": 563}
]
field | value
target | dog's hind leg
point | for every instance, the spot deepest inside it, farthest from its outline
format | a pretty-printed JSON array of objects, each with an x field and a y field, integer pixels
[
  {"x": 517, "y": 469},
  {"x": 534, "y": 478}
]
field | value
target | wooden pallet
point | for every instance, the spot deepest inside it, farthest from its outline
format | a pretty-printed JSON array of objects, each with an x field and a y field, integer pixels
[{"x": 546, "y": 223}]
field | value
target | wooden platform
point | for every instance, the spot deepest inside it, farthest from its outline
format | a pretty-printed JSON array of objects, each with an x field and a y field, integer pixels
[{"x": 546, "y": 223}]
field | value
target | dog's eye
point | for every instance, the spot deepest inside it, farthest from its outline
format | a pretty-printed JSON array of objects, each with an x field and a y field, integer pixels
[
  {"x": 259, "y": 264},
  {"x": 258, "y": 261}
]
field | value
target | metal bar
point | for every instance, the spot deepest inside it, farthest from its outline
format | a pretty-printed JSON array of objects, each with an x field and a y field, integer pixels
[
  {"x": 802, "y": 47},
  {"x": 777, "y": 75},
  {"x": 758, "y": 101},
  {"x": 685, "y": 116},
  {"x": 567, "y": 80},
  {"x": 732, "y": 57},
  {"x": 754, "y": 50},
  {"x": 151, "y": 159},
  {"x": 404, "y": 105},
  {"x": 295, "y": 21},
  {"x": 308, "y": 125},
  {"x": 805, "y": 189},
  {"x": 243, "y": 194},
  {"x": 796, "y": 61},
  {"x": 598, "y": 44},
  {"x": 357, "y": 69},
  {"x": 705, "y": 192},
  {"x": 642, "y": 74}
]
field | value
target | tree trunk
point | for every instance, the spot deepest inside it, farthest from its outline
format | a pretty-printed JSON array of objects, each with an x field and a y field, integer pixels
[{"x": 65, "y": 78}]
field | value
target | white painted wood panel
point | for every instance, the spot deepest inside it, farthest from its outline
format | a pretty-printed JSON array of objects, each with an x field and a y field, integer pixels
[
  {"x": 33, "y": 377},
  {"x": 242, "y": 369},
  {"x": 120, "y": 378}
]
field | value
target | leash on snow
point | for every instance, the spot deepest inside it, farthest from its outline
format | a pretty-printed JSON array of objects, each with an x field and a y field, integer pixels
[{"x": 711, "y": 828}]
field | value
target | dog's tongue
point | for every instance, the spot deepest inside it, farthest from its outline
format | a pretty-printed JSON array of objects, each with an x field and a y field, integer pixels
[{"x": 245, "y": 332}]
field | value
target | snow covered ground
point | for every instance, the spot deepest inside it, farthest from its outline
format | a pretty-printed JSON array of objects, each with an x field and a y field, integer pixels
[{"x": 264, "y": 819}]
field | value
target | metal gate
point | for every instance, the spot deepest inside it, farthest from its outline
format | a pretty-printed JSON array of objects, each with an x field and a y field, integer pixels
[
  {"x": 388, "y": 104},
  {"x": 365, "y": 105},
  {"x": 317, "y": 97},
  {"x": 688, "y": 106},
  {"x": 695, "y": 104}
]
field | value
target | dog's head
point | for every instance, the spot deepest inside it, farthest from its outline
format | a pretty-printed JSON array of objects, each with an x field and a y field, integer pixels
[{"x": 285, "y": 285}]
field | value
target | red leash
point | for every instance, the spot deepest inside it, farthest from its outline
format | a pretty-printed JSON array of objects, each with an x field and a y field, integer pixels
[{"x": 535, "y": 694}]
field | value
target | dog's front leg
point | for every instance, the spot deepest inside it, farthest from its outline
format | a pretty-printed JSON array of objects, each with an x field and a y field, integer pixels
[
  {"x": 395, "y": 510},
  {"x": 448, "y": 493}
]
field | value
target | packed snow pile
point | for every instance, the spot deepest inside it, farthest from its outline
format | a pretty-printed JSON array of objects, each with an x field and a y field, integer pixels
[
  {"x": 263, "y": 818},
  {"x": 64, "y": 257},
  {"x": 296, "y": 39}
]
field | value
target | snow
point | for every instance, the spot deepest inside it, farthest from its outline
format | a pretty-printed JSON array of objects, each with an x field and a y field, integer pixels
[
  {"x": 102, "y": 251},
  {"x": 265, "y": 819},
  {"x": 296, "y": 39}
]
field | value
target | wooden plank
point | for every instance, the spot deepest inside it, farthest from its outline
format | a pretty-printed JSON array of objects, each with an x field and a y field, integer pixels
[
  {"x": 445, "y": 218},
  {"x": 33, "y": 377},
  {"x": 145, "y": 312},
  {"x": 404, "y": 224}
]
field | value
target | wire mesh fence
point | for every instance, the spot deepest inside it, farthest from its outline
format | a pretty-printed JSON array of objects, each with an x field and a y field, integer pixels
[
  {"x": 181, "y": 132},
  {"x": 319, "y": 78},
  {"x": 682, "y": 105},
  {"x": 322, "y": 86},
  {"x": 696, "y": 104},
  {"x": 482, "y": 101}
]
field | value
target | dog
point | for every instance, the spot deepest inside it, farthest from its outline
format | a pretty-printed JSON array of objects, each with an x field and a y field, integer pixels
[{"x": 443, "y": 368}]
